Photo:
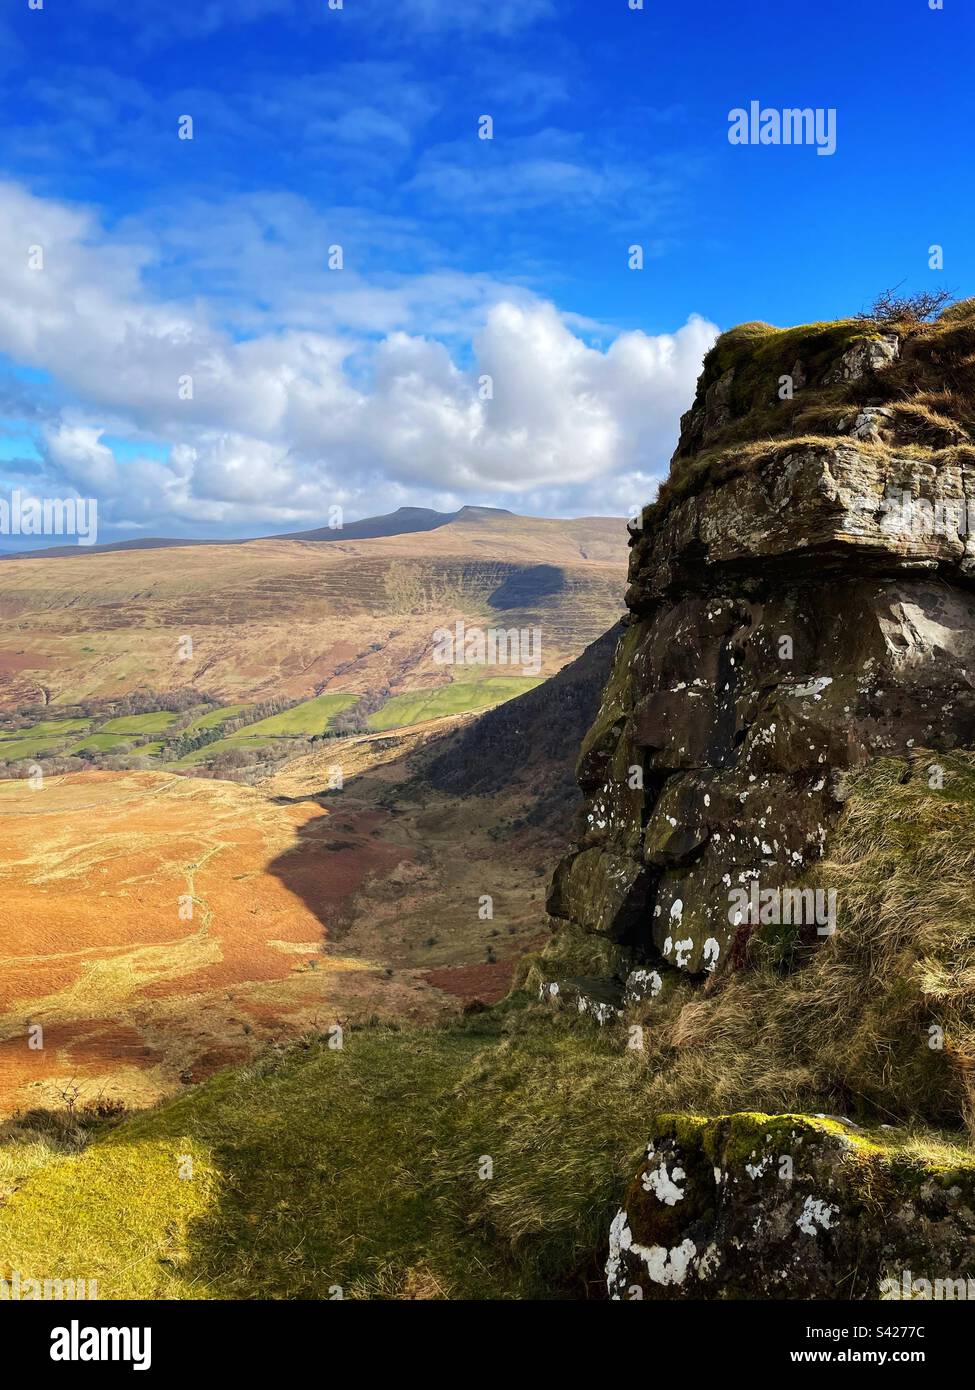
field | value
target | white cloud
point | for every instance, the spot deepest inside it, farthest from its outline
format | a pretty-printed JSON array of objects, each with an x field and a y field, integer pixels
[
  {"x": 80, "y": 457},
  {"x": 287, "y": 421}
]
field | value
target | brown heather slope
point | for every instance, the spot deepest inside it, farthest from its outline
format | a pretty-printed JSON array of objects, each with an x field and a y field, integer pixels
[
  {"x": 293, "y": 619},
  {"x": 479, "y": 808},
  {"x": 309, "y": 906},
  {"x": 133, "y": 997}
]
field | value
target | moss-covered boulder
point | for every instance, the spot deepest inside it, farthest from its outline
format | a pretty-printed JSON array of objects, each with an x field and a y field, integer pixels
[{"x": 791, "y": 1207}]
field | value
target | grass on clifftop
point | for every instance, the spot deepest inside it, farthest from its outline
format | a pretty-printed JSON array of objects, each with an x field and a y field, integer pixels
[
  {"x": 930, "y": 390},
  {"x": 366, "y": 1168}
]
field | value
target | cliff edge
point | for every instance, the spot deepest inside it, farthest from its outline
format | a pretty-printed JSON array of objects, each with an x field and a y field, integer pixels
[
  {"x": 800, "y": 603},
  {"x": 770, "y": 874}
]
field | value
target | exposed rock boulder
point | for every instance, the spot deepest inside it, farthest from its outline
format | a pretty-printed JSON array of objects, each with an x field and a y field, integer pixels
[{"x": 791, "y": 1206}]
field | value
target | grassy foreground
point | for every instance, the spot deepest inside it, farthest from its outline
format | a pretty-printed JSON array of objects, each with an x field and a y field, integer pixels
[
  {"x": 359, "y": 1168},
  {"x": 484, "y": 1159}
]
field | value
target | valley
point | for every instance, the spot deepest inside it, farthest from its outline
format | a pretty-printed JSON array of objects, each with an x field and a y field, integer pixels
[
  {"x": 228, "y": 852},
  {"x": 298, "y": 619}
]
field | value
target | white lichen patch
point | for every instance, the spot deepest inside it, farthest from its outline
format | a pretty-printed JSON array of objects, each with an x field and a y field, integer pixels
[
  {"x": 642, "y": 984},
  {"x": 815, "y": 688},
  {"x": 666, "y": 1266},
  {"x": 620, "y": 1240},
  {"x": 595, "y": 1008},
  {"x": 664, "y": 1185},
  {"x": 816, "y": 1216},
  {"x": 682, "y": 951},
  {"x": 759, "y": 1169}
]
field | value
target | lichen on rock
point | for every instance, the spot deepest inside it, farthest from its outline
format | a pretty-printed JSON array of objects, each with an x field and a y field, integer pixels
[
  {"x": 782, "y": 630},
  {"x": 786, "y": 1206}
]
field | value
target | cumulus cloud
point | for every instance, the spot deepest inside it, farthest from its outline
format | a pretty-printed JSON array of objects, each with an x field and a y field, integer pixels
[
  {"x": 554, "y": 408},
  {"x": 276, "y": 426}
]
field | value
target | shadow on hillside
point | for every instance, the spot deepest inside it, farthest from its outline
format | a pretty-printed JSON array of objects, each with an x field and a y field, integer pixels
[{"x": 510, "y": 770}]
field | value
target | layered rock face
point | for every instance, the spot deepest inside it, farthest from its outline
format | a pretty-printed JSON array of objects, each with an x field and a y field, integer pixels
[{"x": 800, "y": 602}]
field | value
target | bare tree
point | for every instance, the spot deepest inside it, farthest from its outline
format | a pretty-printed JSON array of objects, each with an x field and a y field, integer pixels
[{"x": 913, "y": 309}]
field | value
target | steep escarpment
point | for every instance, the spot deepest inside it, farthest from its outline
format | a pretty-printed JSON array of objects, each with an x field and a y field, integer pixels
[
  {"x": 525, "y": 739},
  {"x": 770, "y": 880},
  {"x": 791, "y": 618}
]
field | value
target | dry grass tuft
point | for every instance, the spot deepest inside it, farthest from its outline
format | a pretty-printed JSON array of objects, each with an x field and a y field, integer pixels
[{"x": 880, "y": 1022}]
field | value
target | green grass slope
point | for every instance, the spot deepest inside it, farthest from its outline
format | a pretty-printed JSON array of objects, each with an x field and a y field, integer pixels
[
  {"x": 459, "y": 697},
  {"x": 41, "y": 740},
  {"x": 309, "y": 718},
  {"x": 362, "y": 1168},
  {"x": 484, "y": 1159},
  {"x": 215, "y": 717},
  {"x": 156, "y": 722}
]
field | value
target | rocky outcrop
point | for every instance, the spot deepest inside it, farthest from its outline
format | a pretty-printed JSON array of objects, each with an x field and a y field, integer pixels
[
  {"x": 791, "y": 1207},
  {"x": 800, "y": 603}
]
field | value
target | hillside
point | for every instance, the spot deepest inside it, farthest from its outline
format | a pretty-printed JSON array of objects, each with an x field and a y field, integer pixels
[
  {"x": 401, "y": 522},
  {"x": 158, "y": 928},
  {"x": 293, "y": 619},
  {"x": 292, "y": 1174},
  {"x": 740, "y": 1067}
]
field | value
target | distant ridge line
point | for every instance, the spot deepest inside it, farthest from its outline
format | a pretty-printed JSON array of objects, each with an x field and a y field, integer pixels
[{"x": 404, "y": 521}]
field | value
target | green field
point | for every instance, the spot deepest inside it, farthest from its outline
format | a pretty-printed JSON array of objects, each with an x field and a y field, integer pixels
[
  {"x": 54, "y": 736},
  {"x": 48, "y": 728},
  {"x": 216, "y": 717},
  {"x": 304, "y": 720},
  {"x": 39, "y": 741},
  {"x": 100, "y": 743},
  {"x": 459, "y": 697},
  {"x": 310, "y": 717},
  {"x": 28, "y": 746},
  {"x": 220, "y": 745},
  {"x": 156, "y": 722}
]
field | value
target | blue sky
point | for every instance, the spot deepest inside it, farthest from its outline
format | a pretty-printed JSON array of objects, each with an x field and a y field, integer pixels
[{"x": 167, "y": 260}]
